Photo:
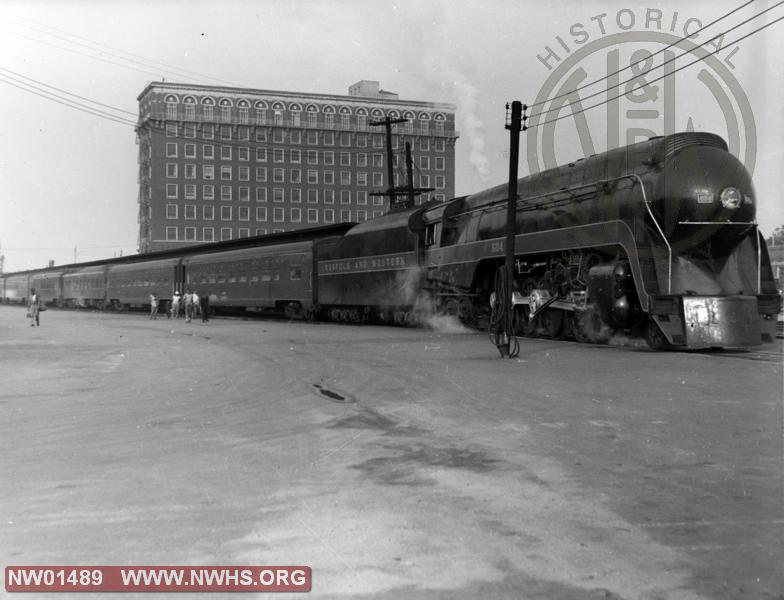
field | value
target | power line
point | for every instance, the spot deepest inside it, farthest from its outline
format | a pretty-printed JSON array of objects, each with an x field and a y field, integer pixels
[
  {"x": 16, "y": 76},
  {"x": 643, "y": 75},
  {"x": 701, "y": 58},
  {"x": 104, "y": 48},
  {"x": 692, "y": 35}
]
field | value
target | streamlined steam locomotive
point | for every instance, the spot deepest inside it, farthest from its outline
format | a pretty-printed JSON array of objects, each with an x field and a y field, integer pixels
[{"x": 657, "y": 239}]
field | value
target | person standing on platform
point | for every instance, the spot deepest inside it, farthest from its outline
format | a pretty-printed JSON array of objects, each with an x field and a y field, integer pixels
[
  {"x": 34, "y": 309},
  {"x": 195, "y": 302},
  {"x": 204, "y": 305},
  {"x": 153, "y": 307},
  {"x": 175, "y": 306},
  {"x": 187, "y": 300}
]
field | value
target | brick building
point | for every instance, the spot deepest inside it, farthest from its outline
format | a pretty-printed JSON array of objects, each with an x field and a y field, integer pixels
[{"x": 219, "y": 163}]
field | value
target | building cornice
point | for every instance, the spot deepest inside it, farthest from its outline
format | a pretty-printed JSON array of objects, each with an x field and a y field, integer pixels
[{"x": 181, "y": 88}]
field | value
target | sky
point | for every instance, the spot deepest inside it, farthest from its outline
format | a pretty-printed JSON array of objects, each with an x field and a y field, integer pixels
[{"x": 68, "y": 189}]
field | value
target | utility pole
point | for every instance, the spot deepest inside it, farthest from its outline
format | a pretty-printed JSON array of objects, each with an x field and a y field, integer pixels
[
  {"x": 505, "y": 293},
  {"x": 409, "y": 191}
]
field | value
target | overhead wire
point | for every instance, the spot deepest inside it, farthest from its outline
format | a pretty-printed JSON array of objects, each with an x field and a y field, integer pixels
[
  {"x": 94, "y": 46},
  {"x": 673, "y": 44},
  {"x": 531, "y": 125},
  {"x": 644, "y": 74}
]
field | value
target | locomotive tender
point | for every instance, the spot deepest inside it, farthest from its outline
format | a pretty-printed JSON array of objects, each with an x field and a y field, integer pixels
[{"x": 656, "y": 239}]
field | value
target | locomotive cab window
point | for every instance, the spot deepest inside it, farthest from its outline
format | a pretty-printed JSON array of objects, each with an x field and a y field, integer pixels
[
  {"x": 295, "y": 273},
  {"x": 432, "y": 234}
]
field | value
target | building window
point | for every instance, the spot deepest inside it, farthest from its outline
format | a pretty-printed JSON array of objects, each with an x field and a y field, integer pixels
[
  {"x": 296, "y": 215},
  {"x": 329, "y": 215},
  {"x": 243, "y": 153},
  {"x": 312, "y": 157},
  {"x": 345, "y": 159},
  {"x": 329, "y": 123},
  {"x": 225, "y": 152},
  {"x": 190, "y": 191},
  {"x": 362, "y": 160},
  {"x": 345, "y": 216},
  {"x": 440, "y": 145},
  {"x": 261, "y": 213},
  {"x": 261, "y": 173},
  {"x": 171, "y": 211},
  {"x": 261, "y": 231},
  {"x": 208, "y": 152},
  {"x": 424, "y": 162},
  {"x": 261, "y": 155},
  {"x": 225, "y": 233},
  {"x": 244, "y": 194},
  {"x": 208, "y": 212},
  {"x": 261, "y": 194},
  {"x": 278, "y": 135},
  {"x": 424, "y": 143},
  {"x": 277, "y": 194},
  {"x": 329, "y": 196},
  {"x": 207, "y": 130},
  {"x": 378, "y": 161},
  {"x": 171, "y": 190},
  {"x": 295, "y": 135},
  {"x": 296, "y": 195},
  {"x": 171, "y": 170},
  {"x": 190, "y": 150},
  {"x": 278, "y": 175},
  {"x": 171, "y": 128},
  {"x": 225, "y": 192},
  {"x": 362, "y": 178},
  {"x": 243, "y": 213},
  {"x": 312, "y": 196},
  {"x": 190, "y": 234},
  {"x": 208, "y": 234},
  {"x": 261, "y": 119},
  {"x": 243, "y": 232},
  {"x": 277, "y": 214},
  {"x": 329, "y": 157},
  {"x": 277, "y": 155},
  {"x": 225, "y": 113},
  {"x": 243, "y": 115},
  {"x": 312, "y": 176},
  {"x": 440, "y": 182},
  {"x": 378, "y": 180},
  {"x": 295, "y": 156},
  {"x": 225, "y": 213},
  {"x": 312, "y": 135},
  {"x": 171, "y": 234},
  {"x": 361, "y": 137},
  {"x": 190, "y": 171},
  {"x": 171, "y": 149},
  {"x": 244, "y": 173},
  {"x": 243, "y": 133},
  {"x": 208, "y": 114},
  {"x": 329, "y": 177},
  {"x": 295, "y": 175},
  {"x": 439, "y": 163},
  {"x": 345, "y": 178},
  {"x": 312, "y": 215},
  {"x": 208, "y": 192},
  {"x": 345, "y": 197},
  {"x": 361, "y": 215},
  {"x": 362, "y": 197},
  {"x": 225, "y": 173}
]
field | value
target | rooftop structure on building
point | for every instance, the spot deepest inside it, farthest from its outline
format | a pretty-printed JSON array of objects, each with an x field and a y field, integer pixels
[{"x": 218, "y": 163}]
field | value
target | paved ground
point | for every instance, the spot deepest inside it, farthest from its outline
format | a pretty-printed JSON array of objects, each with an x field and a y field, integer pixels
[{"x": 397, "y": 463}]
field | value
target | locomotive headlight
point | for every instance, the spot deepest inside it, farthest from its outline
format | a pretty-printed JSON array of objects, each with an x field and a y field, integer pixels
[{"x": 731, "y": 198}]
